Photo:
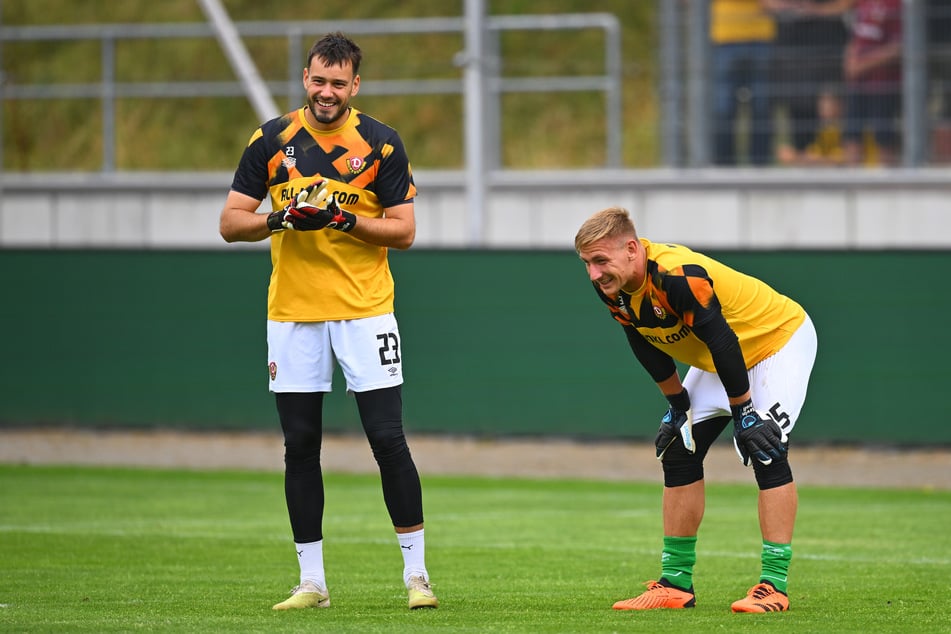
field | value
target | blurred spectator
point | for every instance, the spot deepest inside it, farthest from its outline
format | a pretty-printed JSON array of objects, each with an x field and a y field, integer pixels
[
  {"x": 938, "y": 19},
  {"x": 824, "y": 147},
  {"x": 873, "y": 76},
  {"x": 810, "y": 40},
  {"x": 741, "y": 36}
]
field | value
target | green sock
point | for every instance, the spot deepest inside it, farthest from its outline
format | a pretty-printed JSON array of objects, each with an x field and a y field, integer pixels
[
  {"x": 776, "y": 558},
  {"x": 680, "y": 554}
]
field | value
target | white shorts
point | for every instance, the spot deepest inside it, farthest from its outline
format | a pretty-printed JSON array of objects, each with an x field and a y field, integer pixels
[
  {"x": 301, "y": 355},
  {"x": 777, "y": 383}
]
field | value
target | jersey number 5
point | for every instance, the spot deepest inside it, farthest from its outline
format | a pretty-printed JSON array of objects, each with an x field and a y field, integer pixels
[{"x": 778, "y": 415}]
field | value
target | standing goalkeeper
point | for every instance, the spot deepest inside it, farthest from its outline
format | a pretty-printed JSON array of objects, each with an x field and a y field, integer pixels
[
  {"x": 341, "y": 190},
  {"x": 750, "y": 352}
]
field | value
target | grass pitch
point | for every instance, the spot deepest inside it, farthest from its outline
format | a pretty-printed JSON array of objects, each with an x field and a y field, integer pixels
[{"x": 109, "y": 550}]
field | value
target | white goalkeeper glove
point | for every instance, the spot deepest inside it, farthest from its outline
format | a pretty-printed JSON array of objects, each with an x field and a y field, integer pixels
[{"x": 678, "y": 421}]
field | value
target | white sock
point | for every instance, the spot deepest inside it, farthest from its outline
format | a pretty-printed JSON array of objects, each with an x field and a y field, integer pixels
[
  {"x": 413, "y": 547},
  {"x": 311, "y": 559}
]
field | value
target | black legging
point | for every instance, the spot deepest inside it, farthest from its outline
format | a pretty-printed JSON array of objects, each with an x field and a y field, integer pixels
[
  {"x": 682, "y": 468},
  {"x": 302, "y": 422}
]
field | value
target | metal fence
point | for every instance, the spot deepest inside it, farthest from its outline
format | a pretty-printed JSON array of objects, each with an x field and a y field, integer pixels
[
  {"x": 782, "y": 100},
  {"x": 109, "y": 90}
]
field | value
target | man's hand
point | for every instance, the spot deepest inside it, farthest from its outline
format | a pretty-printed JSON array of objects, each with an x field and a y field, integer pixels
[
  {"x": 303, "y": 220},
  {"x": 321, "y": 210},
  {"x": 307, "y": 213},
  {"x": 313, "y": 209},
  {"x": 756, "y": 434},
  {"x": 678, "y": 421},
  {"x": 275, "y": 220}
]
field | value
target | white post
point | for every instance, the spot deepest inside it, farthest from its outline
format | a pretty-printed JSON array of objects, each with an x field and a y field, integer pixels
[
  {"x": 475, "y": 119},
  {"x": 241, "y": 62}
]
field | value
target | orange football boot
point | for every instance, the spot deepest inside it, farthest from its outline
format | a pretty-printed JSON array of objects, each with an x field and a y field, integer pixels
[
  {"x": 762, "y": 597},
  {"x": 659, "y": 596}
]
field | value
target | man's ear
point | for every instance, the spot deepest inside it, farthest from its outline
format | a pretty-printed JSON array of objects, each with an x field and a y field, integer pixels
[{"x": 632, "y": 246}]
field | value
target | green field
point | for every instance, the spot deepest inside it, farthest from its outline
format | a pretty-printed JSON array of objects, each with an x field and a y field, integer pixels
[{"x": 106, "y": 550}]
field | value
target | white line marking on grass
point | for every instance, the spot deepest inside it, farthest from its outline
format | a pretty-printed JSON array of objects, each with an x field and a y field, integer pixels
[
  {"x": 512, "y": 516},
  {"x": 920, "y": 561},
  {"x": 95, "y": 531}
]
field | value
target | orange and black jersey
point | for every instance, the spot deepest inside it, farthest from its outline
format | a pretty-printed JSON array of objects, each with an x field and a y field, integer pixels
[
  {"x": 363, "y": 153},
  {"x": 327, "y": 275},
  {"x": 701, "y": 312}
]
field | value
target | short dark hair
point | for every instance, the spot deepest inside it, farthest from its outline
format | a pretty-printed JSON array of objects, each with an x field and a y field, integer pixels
[{"x": 336, "y": 49}]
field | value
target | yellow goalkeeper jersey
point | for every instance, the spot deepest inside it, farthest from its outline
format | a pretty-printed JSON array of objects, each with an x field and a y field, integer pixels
[
  {"x": 683, "y": 288},
  {"x": 327, "y": 275}
]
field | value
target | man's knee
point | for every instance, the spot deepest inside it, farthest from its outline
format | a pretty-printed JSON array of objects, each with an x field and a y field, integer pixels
[
  {"x": 775, "y": 474},
  {"x": 386, "y": 439},
  {"x": 381, "y": 414},
  {"x": 300, "y": 415},
  {"x": 681, "y": 467}
]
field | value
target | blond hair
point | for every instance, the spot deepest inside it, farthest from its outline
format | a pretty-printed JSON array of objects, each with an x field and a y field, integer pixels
[{"x": 613, "y": 222}]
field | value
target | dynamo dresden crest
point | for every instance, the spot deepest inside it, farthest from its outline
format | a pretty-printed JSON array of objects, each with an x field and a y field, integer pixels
[{"x": 355, "y": 163}]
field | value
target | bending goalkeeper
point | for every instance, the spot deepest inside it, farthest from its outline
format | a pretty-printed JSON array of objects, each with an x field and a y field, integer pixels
[{"x": 750, "y": 351}]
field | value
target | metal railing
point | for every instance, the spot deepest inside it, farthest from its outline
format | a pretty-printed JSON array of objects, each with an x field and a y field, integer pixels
[{"x": 108, "y": 90}]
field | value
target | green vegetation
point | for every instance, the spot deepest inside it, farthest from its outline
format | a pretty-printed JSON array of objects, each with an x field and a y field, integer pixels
[
  {"x": 109, "y": 550},
  {"x": 540, "y": 130}
]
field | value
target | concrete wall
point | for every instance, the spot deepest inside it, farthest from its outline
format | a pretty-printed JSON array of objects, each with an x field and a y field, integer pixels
[{"x": 752, "y": 209}]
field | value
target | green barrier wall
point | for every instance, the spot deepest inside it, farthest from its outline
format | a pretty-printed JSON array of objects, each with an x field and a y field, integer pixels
[{"x": 494, "y": 343}]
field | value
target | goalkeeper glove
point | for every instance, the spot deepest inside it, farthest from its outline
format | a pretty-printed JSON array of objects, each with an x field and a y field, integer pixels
[
  {"x": 275, "y": 220},
  {"x": 320, "y": 210},
  {"x": 313, "y": 209},
  {"x": 284, "y": 219},
  {"x": 678, "y": 421},
  {"x": 756, "y": 434}
]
